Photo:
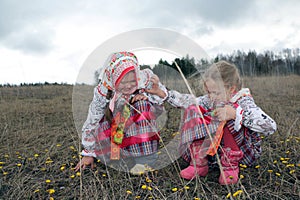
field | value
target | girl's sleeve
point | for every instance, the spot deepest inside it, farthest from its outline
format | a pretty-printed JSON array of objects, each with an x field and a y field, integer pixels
[
  {"x": 253, "y": 117},
  {"x": 95, "y": 114},
  {"x": 178, "y": 99},
  {"x": 156, "y": 99}
]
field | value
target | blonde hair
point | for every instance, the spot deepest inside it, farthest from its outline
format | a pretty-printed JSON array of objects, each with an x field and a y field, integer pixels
[{"x": 226, "y": 72}]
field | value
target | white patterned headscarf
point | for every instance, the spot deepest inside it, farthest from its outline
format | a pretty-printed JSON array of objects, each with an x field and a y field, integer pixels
[{"x": 116, "y": 67}]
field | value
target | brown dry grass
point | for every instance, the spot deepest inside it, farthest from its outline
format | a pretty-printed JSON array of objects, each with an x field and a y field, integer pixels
[{"x": 39, "y": 142}]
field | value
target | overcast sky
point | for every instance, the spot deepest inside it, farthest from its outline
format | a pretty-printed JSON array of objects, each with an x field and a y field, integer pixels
[{"x": 50, "y": 40}]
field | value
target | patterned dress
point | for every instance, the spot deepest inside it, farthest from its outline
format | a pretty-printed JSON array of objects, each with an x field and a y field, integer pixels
[
  {"x": 250, "y": 122},
  {"x": 140, "y": 135}
]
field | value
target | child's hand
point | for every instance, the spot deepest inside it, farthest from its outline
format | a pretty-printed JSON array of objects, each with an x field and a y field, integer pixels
[
  {"x": 138, "y": 97},
  {"x": 225, "y": 113},
  {"x": 155, "y": 87},
  {"x": 154, "y": 80},
  {"x": 85, "y": 161}
]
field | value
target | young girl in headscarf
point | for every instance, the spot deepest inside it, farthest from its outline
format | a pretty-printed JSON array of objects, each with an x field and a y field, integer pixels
[
  {"x": 225, "y": 121},
  {"x": 121, "y": 121}
]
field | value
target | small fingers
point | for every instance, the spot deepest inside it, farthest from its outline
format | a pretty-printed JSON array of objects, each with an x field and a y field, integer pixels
[
  {"x": 154, "y": 78},
  {"x": 138, "y": 98},
  {"x": 78, "y": 166}
]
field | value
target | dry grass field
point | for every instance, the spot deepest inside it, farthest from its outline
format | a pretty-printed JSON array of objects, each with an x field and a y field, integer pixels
[{"x": 39, "y": 146}]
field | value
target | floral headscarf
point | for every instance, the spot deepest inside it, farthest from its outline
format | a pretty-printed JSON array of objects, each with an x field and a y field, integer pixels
[{"x": 116, "y": 67}]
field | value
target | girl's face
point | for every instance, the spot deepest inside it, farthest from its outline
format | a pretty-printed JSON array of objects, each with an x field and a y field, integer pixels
[
  {"x": 128, "y": 84},
  {"x": 218, "y": 92}
]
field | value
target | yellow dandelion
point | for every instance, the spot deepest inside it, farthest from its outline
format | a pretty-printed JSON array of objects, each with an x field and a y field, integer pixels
[
  {"x": 43, "y": 169},
  {"x": 242, "y": 176},
  {"x": 17, "y": 153},
  {"x": 228, "y": 195},
  {"x": 144, "y": 187},
  {"x": 30, "y": 159},
  {"x": 287, "y": 140},
  {"x": 148, "y": 180},
  {"x": 36, "y": 155},
  {"x": 243, "y": 166},
  {"x": 128, "y": 192},
  {"x": 62, "y": 168},
  {"x": 74, "y": 157},
  {"x": 104, "y": 175},
  {"x": 150, "y": 197},
  {"x": 292, "y": 171},
  {"x": 231, "y": 177},
  {"x": 5, "y": 173},
  {"x": 72, "y": 148},
  {"x": 51, "y": 191},
  {"x": 282, "y": 159},
  {"x": 48, "y": 181},
  {"x": 2, "y": 163},
  {"x": 275, "y": 161},
  {"x": 196, "y": 198},
  {"x": 6, "y": 156},
  {"x": 159, "y": 152},
  {"x": 20, "y": 157},
  {"x": 270, "y": 170},
  {"x": 72, "y": 176},
  {"x": 257, "y": 166},
  {"x": 78, "y": 174},
  {"x": 290, "y": 165},
  {"x": 174, "y": 189},
  {"x": 46, "y": 150},
  {"x": 285, "y": 162},
  {"x": 35, "y": 191},
  {"x": 237, "y": 193},
  {"x": 149, "y": 188},
  {"x": 49, "y": 161},
  {"x": 98, "y": 161},
  {"x": 58, "y": 145},
  {"x": 262, "y": 137},
  {"x": 19, "y": 164},
  {"x": 186, "y": 187},
  {"x": 278, "y": 174},
  {"x": 51, "y": 198},
  {"x": 287, "y": 152},
  {"x": 1, "y": 167},
  {"x": 137, "y": 197}
]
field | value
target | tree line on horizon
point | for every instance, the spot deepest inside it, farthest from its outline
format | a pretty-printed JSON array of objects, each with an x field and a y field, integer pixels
[
  {"x": 251, "y": 63},
  {"x": 269, "y": 63}
]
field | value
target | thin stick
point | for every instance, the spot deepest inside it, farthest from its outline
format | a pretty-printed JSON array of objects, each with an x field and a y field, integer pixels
[
  {"x": 191, "y": 92},
  {"x": 205, "y": 125}
]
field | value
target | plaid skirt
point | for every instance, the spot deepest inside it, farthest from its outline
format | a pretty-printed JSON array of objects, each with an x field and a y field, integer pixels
[
  {"x": 193, "y": 128},
  {"x": 141, "y": 135}
]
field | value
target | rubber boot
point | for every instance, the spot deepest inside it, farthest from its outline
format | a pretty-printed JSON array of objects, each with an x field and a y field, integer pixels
[
  {"x": 198, "y": 166},
  {"x": 230, "y": 164}
]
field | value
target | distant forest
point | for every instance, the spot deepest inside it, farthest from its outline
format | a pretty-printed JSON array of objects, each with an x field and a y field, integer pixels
[
  {"x": 251, "y": 63},
  {"x": 269, "y": 63}
]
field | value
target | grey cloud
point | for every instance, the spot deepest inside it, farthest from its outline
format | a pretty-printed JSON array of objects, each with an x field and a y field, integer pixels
[
  {"x": 203, "y": 16},
  {"x": 29, "y": 25},
  {"x": 31, "y": 41},
  {"x": 202, "y": 13}
]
